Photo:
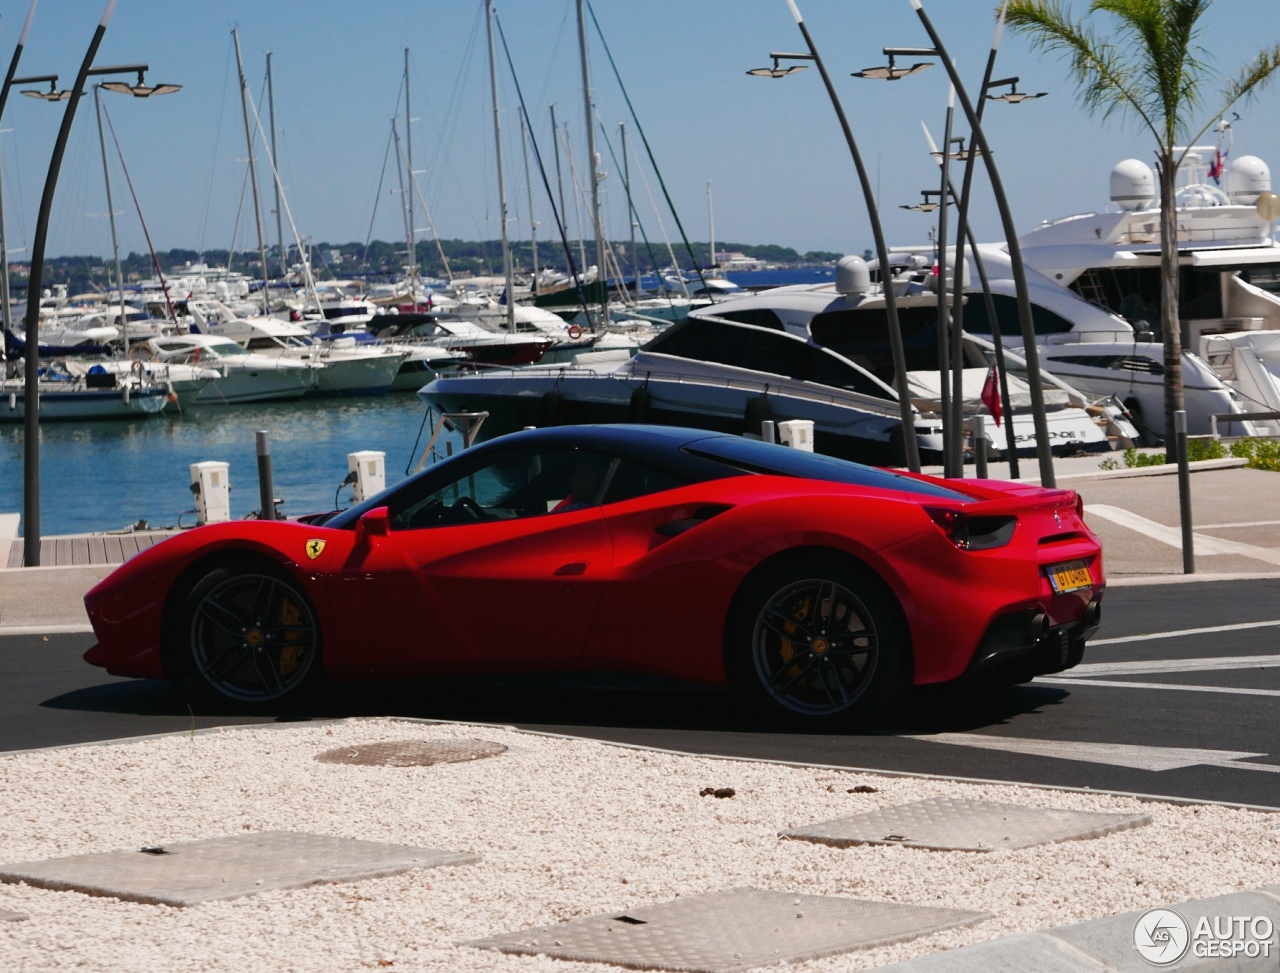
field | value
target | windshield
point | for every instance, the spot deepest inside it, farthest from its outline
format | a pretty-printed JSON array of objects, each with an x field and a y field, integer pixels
[
  {"x": 227, "y": 349},
  {"x": 758, "y": 457}
]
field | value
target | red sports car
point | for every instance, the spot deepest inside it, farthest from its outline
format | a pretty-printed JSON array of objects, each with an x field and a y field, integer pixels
[{"x": 818, "y": 589}]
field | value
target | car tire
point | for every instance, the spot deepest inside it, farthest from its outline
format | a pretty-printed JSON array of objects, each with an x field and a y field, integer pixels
[
  {"x": 248, "y": 637},
  {"x": 818, "y": 643}
]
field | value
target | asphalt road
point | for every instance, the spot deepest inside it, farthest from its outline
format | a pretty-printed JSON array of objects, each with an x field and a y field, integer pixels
[{"x": 1178, "y": 696}]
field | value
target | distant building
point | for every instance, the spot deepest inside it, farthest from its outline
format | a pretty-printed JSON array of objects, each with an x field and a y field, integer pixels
[
  {"x": 731, "y": 260},
  {"x": 333, "y": 257}
]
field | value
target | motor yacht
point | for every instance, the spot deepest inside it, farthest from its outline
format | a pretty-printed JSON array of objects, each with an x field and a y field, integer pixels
[{"x": 244, "y": 376}]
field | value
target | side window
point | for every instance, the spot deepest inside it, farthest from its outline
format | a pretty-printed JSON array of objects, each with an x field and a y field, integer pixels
[
  {"x": 632, "y": 479},
  {"x": 505, "y": 486}
]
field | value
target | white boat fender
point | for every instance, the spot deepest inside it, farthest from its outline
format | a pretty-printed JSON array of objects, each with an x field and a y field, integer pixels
[
  {"x": 126, "y": 395},
  {"x": 13, "y": 401}
]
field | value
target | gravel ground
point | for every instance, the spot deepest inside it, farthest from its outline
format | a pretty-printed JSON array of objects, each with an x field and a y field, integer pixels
[{"x": 565, "y": 828}]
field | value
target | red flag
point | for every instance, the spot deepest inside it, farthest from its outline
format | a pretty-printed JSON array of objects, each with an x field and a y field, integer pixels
[{"x": 991, "y": 394}]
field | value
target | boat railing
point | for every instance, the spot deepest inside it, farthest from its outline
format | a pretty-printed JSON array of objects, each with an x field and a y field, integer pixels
[
  {"x": 467, "y": 424},
  {"x": 1234, "y": 417}
]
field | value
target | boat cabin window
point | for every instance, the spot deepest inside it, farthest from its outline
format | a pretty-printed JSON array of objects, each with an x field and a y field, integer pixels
[
  {"x": 1043, "y": 320},
  {"x": 1124, "y": 363},
  {"x": 1134, "y": 293},
  {"x": 763, "y": 351},
  {"x": 761, "y": 317}
]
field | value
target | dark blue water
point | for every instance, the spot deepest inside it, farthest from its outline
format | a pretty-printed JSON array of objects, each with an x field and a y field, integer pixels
[{"x": 108, "y": 475}]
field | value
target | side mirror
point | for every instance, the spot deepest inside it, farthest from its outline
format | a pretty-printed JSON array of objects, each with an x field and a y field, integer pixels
[{"x": 374, "y": 523}]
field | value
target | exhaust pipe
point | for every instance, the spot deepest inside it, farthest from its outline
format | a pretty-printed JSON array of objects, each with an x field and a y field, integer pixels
[{"x": 1037, "y": 628}]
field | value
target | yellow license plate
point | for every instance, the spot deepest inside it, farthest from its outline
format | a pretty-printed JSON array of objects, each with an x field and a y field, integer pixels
[{"x": 1070, "y": 577}]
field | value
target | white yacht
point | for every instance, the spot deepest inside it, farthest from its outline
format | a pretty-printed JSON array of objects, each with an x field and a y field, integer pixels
[
  {"x": 711, "y": 374},
  {"x": 847, "y": 315},
  {"x": 66, "y": 395},
  {"x": 1094, "y": 279},
  {"x": 244, "y": 376},
  {"x": 343, "y": 366}
]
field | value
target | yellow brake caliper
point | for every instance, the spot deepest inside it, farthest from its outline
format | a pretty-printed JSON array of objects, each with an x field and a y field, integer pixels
[
  {"x": 789, "y": 649},
  {"x": 290, "y": 614}
]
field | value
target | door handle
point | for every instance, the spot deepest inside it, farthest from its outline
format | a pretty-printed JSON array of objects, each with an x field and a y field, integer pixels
[{"x": 572, "y": 569}]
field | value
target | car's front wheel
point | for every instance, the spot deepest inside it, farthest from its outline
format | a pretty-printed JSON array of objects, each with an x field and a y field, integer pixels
[
  {"x": 251, "y": 636},
  {"x": 819, "y": 643}
]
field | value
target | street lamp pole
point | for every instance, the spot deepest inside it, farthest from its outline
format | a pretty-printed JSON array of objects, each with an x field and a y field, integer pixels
[
  {"x": 910, "y": 446},
  {"x": 31, "y": 389},
  {"x": 1030, "y": 352}
]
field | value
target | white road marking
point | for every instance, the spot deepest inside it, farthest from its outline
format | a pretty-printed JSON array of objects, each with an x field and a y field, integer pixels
[
  {"x": 1204, "y": 544},
  {"x": 1057, "y": 680},
  {"x": 1115, "y": 754},
  {"x": 1085, "y": 670},
  {"x": 1243, "y": 523},
  {"x": 1237, "y": 627}
]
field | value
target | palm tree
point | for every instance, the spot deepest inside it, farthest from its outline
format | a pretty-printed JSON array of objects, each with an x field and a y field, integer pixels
[{"x": 1146, "y": 63}]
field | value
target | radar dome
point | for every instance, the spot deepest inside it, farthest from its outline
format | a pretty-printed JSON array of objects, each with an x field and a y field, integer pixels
[
  {"x": 1247, "y": 178},
  {"x": 1133, "y": 185},
  {"x": 852, "y": 276}
]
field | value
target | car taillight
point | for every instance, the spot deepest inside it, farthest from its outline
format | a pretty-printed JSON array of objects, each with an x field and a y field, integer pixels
[
  {"x": 1080, "y": 507},
  {"x": 972, "y": 533}
]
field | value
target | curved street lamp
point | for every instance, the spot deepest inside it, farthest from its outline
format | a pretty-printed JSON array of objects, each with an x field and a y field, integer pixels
[
  {"x": 31, "y": 388},
  {"x": 1030, "y": 352},
  {"x": 910, "y": 446},
  {"x": 1013, "y": 96}
]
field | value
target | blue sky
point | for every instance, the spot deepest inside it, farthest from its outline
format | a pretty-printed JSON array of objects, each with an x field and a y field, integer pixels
[{"x": 772, "y": 151}]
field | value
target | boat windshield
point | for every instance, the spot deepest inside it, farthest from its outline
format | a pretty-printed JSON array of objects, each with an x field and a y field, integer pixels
[
  {"x": 759, "y": 457},
  {"x": 227, "y": 349}
]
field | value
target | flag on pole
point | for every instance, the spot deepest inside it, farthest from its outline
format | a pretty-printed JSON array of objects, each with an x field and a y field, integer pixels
[
  {"x": 991, "y": 394},
  {"x": 1218, "y": 164}
]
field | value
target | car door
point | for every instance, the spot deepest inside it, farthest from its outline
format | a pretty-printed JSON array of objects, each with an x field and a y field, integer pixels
[{"x": 495, "y": 567}]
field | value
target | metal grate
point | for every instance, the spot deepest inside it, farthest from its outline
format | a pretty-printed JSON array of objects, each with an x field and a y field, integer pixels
[
  {"x": 191, "y": 872},
  {"x": 956, "y": 824},
  {"x": 724, "y": 932},
  {"x": 412, "y": 753}
]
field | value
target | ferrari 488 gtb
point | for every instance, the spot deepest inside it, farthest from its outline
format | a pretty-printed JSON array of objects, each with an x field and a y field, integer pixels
[{"x": 818, "y": 590}]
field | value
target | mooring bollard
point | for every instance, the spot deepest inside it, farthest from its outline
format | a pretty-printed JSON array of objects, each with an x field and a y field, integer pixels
[{"x": 266, "y": 491}]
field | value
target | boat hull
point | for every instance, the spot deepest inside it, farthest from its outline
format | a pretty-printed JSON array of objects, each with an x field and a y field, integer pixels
[{"x": 83, "y": 404}]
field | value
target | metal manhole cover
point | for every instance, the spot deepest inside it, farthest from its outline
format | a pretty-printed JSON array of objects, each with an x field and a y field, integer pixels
[
  {"x": 957, "y": 824},
  {"x": 190, "y": 872},
  {"x": 738, "y": 929},
  {"x": 412, "y": 753}
]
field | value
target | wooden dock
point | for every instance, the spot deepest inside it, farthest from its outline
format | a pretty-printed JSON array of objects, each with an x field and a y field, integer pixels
[{"x": 113, "y": 548}]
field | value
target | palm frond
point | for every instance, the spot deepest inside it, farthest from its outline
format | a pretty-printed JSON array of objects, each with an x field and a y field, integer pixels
[{"x": 1106, "y": 78}]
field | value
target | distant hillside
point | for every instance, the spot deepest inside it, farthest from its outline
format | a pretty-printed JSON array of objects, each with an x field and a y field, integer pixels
[{"x": 465, "y": 257}]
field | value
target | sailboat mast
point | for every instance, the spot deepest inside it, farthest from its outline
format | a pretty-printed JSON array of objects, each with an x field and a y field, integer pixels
[
  {"x": 631, "y": 213},
  {"x": 111, "y": 213},
  {"x": 404, "y": 202},
  {"x": 253, "y": 173},
  {"x": 533, "y": 224},
  {"x": 502, "y": 190},
  {"x": 555, "y": 140},
  {"x": 411, "y": 269},
  {"x": 593, "y": 164},
  {"x": 275, "y": 154},
  {"x": 711, "y": 224}
]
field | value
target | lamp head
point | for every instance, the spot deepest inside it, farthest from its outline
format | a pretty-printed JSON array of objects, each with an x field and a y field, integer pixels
[
  {"x": 53, "y": 94},
  {"x": 892, "y": 72},
  {"x": 777, "y": 71},
  {"x": 1013, "y": 96},
  {"x": 141, "y": 89}
]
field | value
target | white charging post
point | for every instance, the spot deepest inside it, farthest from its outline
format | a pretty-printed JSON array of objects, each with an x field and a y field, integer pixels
[
  {"x": 211, "y": 483},
  {"x": 370, "y": 468},
  {"x": 796, "y": 433}
]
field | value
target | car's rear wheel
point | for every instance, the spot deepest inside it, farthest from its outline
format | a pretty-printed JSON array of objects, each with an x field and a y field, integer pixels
[
  {"x": 250, "y": 637},
  {"x": 819, "y": 643}
]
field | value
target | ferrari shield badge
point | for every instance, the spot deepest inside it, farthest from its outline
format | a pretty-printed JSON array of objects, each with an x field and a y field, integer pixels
[{"x": 314, "y": 547}]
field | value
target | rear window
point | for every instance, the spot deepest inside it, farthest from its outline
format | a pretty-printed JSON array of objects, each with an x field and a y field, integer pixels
[{"x": 757, "y": 457}]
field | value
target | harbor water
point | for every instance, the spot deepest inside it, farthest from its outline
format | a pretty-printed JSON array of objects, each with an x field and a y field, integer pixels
[{"x": 108, "y": 475}]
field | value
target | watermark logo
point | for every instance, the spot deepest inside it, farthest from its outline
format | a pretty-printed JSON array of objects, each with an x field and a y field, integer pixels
[{"x": 1161, "y": 937}]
